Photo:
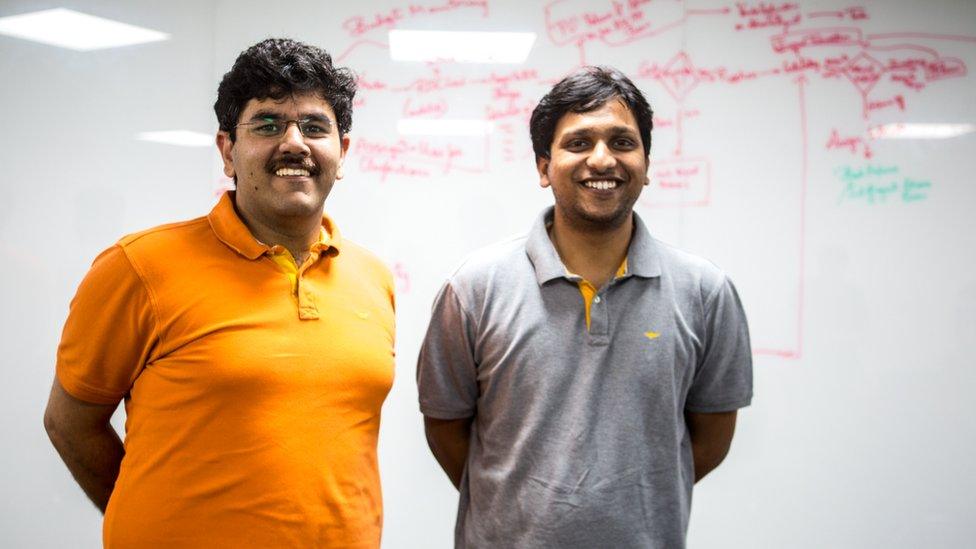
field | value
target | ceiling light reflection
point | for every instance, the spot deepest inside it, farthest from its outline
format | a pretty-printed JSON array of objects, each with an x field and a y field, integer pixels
[{"x": 73, "y": 30}]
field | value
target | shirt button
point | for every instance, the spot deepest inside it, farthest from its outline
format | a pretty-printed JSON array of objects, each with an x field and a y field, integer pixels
[{"x": 596, "y": 299}]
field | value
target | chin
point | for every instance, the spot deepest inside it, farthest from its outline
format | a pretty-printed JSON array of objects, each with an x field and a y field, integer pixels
[
  {"x": 299, "y": 207},
  {"x": 603, "y": 220}
]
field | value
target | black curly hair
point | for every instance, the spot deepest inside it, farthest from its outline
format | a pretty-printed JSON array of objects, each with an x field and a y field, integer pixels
[
  {"x": 279, "y": 67},
  {"x": 583, "y": 91}
]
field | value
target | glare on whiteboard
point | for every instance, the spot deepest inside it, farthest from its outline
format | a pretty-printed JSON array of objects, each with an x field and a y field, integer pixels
[
  {"x": 441, "y": 126},
  {"x": 920, "y": 131},
  {"x": 462, "y": 47},
  {"x": 183, "y": 138}
]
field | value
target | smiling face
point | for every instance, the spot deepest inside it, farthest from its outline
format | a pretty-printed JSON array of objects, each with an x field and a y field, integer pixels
[
  {"x": 286, "y": 178},
  {"x": 596, "y": 168}
]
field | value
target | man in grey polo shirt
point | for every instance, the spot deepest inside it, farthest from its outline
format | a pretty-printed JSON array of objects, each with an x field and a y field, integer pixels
[{"x": 575, "y": 383}]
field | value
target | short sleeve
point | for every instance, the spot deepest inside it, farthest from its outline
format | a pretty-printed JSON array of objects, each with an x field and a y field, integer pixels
[
  {"x": 723, "y": 379},
  {"x": 110, "y": 331},
  {"x": 446, "y": 370}
]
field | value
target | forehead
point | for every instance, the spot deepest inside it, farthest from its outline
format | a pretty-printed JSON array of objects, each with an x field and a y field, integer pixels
[
  {"x": 612, "y": 115},
  {"x": 291, "y": 106}
]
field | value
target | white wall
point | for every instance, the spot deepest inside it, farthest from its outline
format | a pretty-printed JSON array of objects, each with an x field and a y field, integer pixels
[{"x": 860, "y": 311}]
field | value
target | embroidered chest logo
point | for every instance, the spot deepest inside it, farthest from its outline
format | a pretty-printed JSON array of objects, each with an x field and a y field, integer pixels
[{"x": 651, "y": 335}]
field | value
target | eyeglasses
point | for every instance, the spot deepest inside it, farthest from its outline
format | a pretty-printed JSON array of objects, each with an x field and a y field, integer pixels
[{"x": 310, "y": 128}]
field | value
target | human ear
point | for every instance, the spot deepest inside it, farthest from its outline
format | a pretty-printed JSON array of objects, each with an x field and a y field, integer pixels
[
  {"x": 343, "y": 149},
  {"x": 542, "y": 165},
  {"x": 225, "y": 146}
]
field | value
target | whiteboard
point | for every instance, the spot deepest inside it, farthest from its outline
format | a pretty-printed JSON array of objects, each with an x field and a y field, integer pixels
[{"x": 782, "y": 151}]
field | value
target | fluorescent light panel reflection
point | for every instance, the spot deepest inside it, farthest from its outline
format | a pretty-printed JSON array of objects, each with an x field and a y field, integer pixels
[
  {"x": 76, "y": 31},
  {"x": 441, "y": 126},
  {"x": 183, "y": 138},
  {"x": 920, "y": 131},
  {"x": 463, "y": 47}
]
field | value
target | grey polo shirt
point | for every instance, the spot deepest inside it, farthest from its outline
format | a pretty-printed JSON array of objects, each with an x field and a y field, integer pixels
[{"x": 579, "y": 437}]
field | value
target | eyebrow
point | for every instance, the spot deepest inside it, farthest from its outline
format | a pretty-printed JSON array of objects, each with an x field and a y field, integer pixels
[
  {"x": 615, "y": 130},
  {"x": 272, "y": 115}
]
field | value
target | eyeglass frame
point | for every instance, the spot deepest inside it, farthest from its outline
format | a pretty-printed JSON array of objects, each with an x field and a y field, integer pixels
[{"x": 323, "y": 121}]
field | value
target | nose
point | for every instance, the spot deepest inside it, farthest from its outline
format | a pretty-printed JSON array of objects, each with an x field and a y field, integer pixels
[
  {"x": 601, "y": 159},
  {"x": 292, "y": 141}
]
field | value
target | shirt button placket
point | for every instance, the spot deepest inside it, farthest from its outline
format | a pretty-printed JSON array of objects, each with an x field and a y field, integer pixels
[
  {"x": 307, "y": 308},
  {"x": 599, "y": 319}
]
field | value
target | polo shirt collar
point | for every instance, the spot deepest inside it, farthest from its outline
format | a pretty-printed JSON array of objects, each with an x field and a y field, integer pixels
[
  {"x": 642, "y": 254},
  {"x": 643, "y": 259},
  {"x": 230, "y": 230}
]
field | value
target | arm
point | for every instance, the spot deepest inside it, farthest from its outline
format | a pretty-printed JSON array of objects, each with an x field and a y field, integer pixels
[
  {"x": 711, "y": 436},
  {"x": 86, "y": 441},
  {"x": 448, "y": 441}
]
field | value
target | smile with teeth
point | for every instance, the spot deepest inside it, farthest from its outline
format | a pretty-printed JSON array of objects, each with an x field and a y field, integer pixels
[
  {"x": 601, "y": 184},
  {"x": 284, "y": 172}
]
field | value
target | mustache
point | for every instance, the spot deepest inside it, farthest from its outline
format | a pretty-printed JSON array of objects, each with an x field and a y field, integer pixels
[{"x": 293, "y": 162}]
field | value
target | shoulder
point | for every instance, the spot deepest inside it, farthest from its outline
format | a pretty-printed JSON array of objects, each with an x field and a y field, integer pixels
[
  {"x": 155, "y": 246},
  {"x": 690, "y": 270},
  {"x": 363, "y": 259},
  {"x": 487, "y": 276},
  {"x": 164, "y": 238},
  {"x": 500, "y": 259},
  {"x": 138, "y": 262}
]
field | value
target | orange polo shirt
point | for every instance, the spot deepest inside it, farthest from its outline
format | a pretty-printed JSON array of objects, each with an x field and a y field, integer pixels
[{"x": 252, "y": 388}]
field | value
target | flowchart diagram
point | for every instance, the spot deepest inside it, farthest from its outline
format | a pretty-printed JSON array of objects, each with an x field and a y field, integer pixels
[{"x": 780, "y": 49}]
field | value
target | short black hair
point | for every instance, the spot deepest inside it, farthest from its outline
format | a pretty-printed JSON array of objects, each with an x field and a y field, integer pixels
[
  {"x": 583, "y": 91},
  {"x": 278, "y": 67}
]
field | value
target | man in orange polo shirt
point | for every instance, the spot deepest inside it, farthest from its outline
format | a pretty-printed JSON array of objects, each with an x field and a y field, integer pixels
[{"x": 253, "y": 347}]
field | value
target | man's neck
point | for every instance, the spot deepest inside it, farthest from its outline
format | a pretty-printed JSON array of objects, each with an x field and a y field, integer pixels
[
  {"x": 296, "y": 235},
  {"x": 592, "y": 254}
]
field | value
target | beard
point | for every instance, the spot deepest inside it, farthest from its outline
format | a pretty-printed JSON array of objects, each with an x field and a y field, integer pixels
[{"x": 576, "y": 213}]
